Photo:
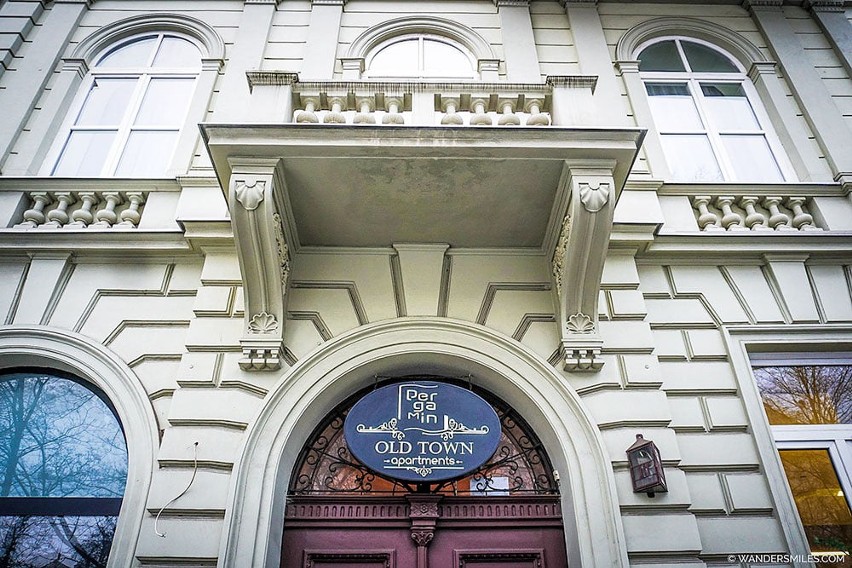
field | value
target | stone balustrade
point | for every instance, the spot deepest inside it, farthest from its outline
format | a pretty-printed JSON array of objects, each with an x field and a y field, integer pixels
[
  {"x": 753, "y": 213},
  {"x": 422, "y": 104},
  {"x": 98, "y": 210}
]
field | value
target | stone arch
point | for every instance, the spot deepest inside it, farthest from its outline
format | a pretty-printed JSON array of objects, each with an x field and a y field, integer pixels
[
  {"x": 211, "y": 44},
  {"x": 340, "y": 367},
  {"x": 736, "y": 45},
  {"x": 464, "y": 35},
  {"x": 51, "y": 348}
]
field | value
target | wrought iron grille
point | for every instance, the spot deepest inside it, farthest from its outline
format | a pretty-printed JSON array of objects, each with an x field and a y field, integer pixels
[{"x": 520, "y": 465}]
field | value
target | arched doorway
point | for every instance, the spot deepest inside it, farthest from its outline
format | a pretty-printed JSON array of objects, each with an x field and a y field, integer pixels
[
  {"x": 309, "y": 391},
  {"x": 505, "y": 514}
]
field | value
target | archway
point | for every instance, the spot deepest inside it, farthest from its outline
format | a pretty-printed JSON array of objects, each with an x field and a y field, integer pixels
[
  {"x": 313, "y": 388},
  {"x": 506, "y": 512}
]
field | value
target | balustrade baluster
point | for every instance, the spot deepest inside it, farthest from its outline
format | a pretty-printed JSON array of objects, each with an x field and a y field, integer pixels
[
  {"x": 777, "y": 220},
  {"x": 707, "y": 220},
  {"x": 59, "y": 216},
  {"x": 107, "y": 217},
  {"x": 754, "y": 220},
  {"x": 34, "y": 216},
  {"x": 131, "y": 216},
  {"x": 335, "y": 116}
]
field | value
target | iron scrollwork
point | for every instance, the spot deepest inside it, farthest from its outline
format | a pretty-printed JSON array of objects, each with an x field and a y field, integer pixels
[{"x": 519, "y": 466}]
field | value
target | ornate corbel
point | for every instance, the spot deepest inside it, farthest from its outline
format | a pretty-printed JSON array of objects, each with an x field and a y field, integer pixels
[
  {"x": 578, "y": 261},
  {"x": 254, "y": 199}
]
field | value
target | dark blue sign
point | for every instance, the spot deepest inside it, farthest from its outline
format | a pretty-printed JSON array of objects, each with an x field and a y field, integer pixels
[{"x": 420, "y": 431}]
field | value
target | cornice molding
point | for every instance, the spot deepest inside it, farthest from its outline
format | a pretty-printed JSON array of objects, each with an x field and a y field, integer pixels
[
  {"x": 825, "y": 5},
  {"x": 761, "y": 4},
  {"x": 518, "y": 3}
]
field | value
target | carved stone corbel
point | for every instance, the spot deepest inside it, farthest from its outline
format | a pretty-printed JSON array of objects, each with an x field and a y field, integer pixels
[
  {"x": 254, "y": 200},
  {"x": 578, "y": 261}
]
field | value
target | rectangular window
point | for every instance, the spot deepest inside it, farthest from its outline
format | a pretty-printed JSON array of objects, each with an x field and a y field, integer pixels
[{"x": 807, "y": 398}]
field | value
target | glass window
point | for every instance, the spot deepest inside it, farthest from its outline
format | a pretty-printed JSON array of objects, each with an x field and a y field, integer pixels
[
  {"x": 696, "y": 89},
  {"x": 808, "y": 402},
  {"x": 421, "y": 56},
  {"x": 63, "y": 467},
  {"x": 819, "y": 499},
  {"x": 806, "y": 394},
  {"x": 139, "y": 96}
]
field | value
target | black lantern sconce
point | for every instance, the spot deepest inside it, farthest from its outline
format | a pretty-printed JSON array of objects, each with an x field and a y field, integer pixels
[{"x": 646, "y": 467}]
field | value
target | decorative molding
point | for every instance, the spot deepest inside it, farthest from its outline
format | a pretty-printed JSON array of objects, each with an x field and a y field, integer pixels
[
  {"x": 493, "y": 287},
  {"x": 211, "y": 43},
  {"x": 249, "y": 193},
  {"x": 580, "y": 323},
  {"x": 594, "y": 195},
  {"x": 751, "y": 4},
  {"x": 825, "y": 5},
  {"x": 254, "y": 200},
  {"x": 518, "y": 3},
  {"x": 262, "y": 323},
  {"x": 735, "y": 44},
  {"x": 578, "y": 259},
  {"x": 283, "y": 249},
  {"x": 475, "y": 43},
  {"x": 558, "y": 259}
]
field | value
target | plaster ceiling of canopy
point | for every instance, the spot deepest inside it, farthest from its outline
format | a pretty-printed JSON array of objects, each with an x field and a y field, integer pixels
[{"x": 373, "y": 186}]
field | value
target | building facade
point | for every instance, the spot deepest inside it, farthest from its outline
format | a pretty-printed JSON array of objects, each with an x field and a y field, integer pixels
[{"x": 223, "y": 222}]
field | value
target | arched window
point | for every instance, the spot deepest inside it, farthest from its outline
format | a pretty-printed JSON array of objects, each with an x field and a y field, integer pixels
[
  {"x": 421, "y": 56},
  {"x": 135, "y": 103},
  {"x": 63, "y": 468},
  {"x": 711, "y": 124}
]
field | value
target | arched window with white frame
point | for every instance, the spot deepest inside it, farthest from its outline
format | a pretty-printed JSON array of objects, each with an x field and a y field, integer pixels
[
  {"x": 421, "y": 56},
  {"x": 134, "y": 103},
  {"x": 711, "y": 124}
]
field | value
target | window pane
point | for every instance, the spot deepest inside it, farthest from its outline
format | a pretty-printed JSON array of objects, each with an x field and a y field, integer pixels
[
  {"x": 703, "y": 59},
  {"x": 62, "y": 440},
  {"x": 84, "y": 153},
  {"x": 107, "y": 102},
  {"x": 446, "y": 60},
  {"x": 819, "y": 499},
  {"x": 690, "y": 158},
  {"x": 662, "y": 56},
  {"x": 398, "y": 58},
  {"x": 165, "y": 102},
  {"x": 177, "y": 52},
  {"x": 56, "y": 541},
  {"x": 728, "y": 106},
  {"x": 819, "y": 394},
  {"x": 751, "y": 157},
  {"x": 133, "y": 54},
  {"x": 673, "y": 107},
  {"x": 147, "y": 153}
]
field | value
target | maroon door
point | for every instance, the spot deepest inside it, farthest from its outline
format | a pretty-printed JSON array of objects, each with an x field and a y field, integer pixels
[{"x": 506, "y": 515}]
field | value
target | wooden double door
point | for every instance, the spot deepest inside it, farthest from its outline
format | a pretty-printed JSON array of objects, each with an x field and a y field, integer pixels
[{"x": 424, "y": 531}]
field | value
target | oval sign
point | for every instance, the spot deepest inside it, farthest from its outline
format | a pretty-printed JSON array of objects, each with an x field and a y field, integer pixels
[{"x": 422, "y": 431}]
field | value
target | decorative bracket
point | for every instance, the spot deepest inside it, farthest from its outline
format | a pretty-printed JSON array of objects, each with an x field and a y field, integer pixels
[
  {"x": 254, "y": 199},
  {"x": 578, "y": 260}
]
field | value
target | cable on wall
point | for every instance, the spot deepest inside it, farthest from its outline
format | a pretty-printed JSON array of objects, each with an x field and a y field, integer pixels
[{"x": 181, "y": 494}]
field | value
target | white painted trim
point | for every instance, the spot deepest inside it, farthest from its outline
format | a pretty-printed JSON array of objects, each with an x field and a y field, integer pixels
[
  {"x": 41, "y": 346},
  {"x": 371, "y": 38},
  {"x": 741, "y": 340},
  {"x": 211, "y": 44},
  {"x": 743, "y": 50},
  {"x": 320, "y": 381}
]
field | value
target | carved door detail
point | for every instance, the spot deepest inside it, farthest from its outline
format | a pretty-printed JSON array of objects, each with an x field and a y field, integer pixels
[{"x": 507, "y": 514}]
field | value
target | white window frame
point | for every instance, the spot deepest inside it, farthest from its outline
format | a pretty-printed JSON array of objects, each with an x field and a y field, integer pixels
[
  {"x": 693, "y": 80},
  {"x": 750, "y": 347},
  {"x": 420, "y": 73},
  {"x": 143, "y": 76}
]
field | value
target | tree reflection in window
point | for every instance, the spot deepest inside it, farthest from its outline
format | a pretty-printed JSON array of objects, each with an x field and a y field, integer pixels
[
  {"x": 807, "y": 394},
  {"x": 63, "y": 461},
  {"x": 819, "y": 499}
]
